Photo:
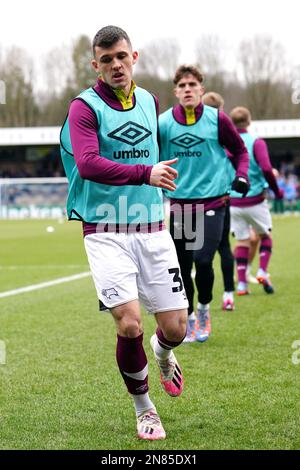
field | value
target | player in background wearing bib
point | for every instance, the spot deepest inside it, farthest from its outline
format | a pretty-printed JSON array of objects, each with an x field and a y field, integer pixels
[
  {"x": 252, "y": 210},
  {"x": 197, "y": 135}
]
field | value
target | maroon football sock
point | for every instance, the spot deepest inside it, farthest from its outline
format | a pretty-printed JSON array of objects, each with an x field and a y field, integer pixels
[
  {"x": 241, "y": 255},
  {"x": 265, "y": 252},
  {"x": 133, "y": 365}
]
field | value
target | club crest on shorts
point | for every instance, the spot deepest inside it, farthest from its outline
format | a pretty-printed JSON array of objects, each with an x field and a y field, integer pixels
[{"x": 109, "y": 293}]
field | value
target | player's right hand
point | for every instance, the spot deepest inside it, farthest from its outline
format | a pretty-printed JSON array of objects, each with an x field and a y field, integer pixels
[{"x": 163, "y": 175}]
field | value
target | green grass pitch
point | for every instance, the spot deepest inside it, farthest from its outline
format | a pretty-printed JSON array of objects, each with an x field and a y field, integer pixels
[{"x": 60, "y": 387}]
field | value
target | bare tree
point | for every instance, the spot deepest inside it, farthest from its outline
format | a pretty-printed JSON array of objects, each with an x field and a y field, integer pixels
[
  {"x": 263, "y": 64},
  {"x": 69, "y": 72},
  {"x": 17, "y": 73},
  {"x": 210, "y": 55},
  {"x": 262, "y": 59},
  {"x": 209, "y": 51},
  {"x": 84, "y": 75},
  {"x": 58, "y": 69},
  {"x": 159, "y": 58}
]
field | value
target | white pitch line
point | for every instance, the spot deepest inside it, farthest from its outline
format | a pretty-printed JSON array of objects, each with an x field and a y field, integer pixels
[
  {"x": 46, "y": 266},
  {"x": 42, "y": 285}
]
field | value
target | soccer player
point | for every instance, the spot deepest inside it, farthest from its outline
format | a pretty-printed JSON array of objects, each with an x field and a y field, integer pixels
[
  {"x": 215, "y": 100},
  {"x": 253, "y": 209},
  {"x": 110, "y": 154},
  {"x": 196, "y": 134}
]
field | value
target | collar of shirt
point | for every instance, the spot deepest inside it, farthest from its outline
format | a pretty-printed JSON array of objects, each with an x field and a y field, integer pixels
[
  {"x": 126, "y": 101},
  {"x": 115, "y": 98},
  {"x": 187, "y": 116}
]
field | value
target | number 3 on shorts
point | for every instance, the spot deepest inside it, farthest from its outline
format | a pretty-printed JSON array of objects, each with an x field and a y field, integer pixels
[{"x": 176, "y": 278}]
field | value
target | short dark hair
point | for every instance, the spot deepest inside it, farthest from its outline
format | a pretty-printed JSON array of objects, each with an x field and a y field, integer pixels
[
  {"x": 108, "y": 36},
  {"x": 186, "y": 70}
]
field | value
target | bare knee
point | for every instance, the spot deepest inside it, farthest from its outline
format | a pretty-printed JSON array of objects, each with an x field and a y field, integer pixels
[
  {"x": 265, "y": 236},
  {"x": 176, "y": 334},
  {"x": 128, "y": 321},
  {"x": 173, "y": 327},
  {"x": 131, "y": 328},
  {"x": 243, "y": 243}
]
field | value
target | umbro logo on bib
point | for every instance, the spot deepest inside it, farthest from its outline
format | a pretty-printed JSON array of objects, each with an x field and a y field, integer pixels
[
  {"x": 130, "y": 133},
  {"x": 187, "y": 140}
]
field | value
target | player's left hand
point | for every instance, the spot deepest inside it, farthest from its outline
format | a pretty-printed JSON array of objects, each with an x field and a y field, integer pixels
[{"x": 240, "y": 185}]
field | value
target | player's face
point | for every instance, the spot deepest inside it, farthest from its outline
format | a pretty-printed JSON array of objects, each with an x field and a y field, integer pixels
[
  {"x": 189, "y": 91},
  {"x": 115, "y": 64}
]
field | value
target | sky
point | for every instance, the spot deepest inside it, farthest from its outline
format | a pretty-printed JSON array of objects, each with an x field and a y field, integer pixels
[{"x": 39, "y": 26}]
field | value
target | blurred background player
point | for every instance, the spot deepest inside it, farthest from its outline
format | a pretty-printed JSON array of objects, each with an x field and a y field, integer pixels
[
  {"x": 131, "y": 258},
  {"x": 197, "y": 135},
  {"x": 278, "y": 204},
  {"x": 255, "y": 239},
  {"x": 254, "y": 243},
  {"x": 215, "y": 100},
  {"x": 253, "y": 210}
]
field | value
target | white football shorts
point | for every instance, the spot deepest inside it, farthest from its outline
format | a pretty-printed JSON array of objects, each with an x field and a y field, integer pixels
[
  {"x": 257, "y": 216},
  {"x": 130, "y": 266}
]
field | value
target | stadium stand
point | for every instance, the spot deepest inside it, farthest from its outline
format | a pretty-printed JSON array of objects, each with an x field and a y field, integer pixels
[{"x": 27, "y": 153}]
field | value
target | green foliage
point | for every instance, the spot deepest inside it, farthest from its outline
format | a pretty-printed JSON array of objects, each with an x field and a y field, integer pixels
[{"x": 61, "y": 388}]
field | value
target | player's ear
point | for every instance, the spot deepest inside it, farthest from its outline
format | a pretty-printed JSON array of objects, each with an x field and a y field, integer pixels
[
  {"x": 135, "y": 56},
  {"x": 95, "y": 65}
]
